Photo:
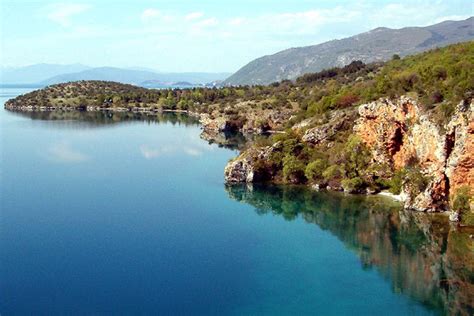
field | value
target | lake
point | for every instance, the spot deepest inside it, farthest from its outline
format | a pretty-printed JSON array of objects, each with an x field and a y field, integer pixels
[{"x": 106, "y": 213}]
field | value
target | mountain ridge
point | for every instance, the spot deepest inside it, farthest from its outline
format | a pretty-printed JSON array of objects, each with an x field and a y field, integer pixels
[
  {"x": 46, "y": 74},
  {"x": 378, "y": 44}
]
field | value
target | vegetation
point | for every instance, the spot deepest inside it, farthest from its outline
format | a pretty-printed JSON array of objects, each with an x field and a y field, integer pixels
[
  {"x": 440, "y": 78},
  {"x": 461, "y": 202}
]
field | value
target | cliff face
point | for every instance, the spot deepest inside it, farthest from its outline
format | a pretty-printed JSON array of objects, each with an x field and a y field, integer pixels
[
  {"x": 245, "y": 117},
  {"x": 400, "y": 135}
]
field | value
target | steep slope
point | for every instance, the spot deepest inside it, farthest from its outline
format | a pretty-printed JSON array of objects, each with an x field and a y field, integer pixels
[{"x": 376, "y": 45}]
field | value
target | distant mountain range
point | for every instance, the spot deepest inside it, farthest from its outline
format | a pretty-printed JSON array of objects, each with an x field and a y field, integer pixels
[
  {"x": 34, "y": 74},
  {"x": 376, "y": 45},
  {"x": 46, "y": 74}
]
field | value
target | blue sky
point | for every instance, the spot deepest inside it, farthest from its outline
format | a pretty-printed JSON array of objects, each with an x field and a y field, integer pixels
[{"x": 194, "y": 35}]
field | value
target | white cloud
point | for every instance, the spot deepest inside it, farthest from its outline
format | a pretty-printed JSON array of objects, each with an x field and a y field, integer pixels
[
  {"x": 149, "y": 14},
  {"x": 236, "y": 21},
  {"x": 207, "y": 22},
  {"x": 192, "y": 151},
  {"x": 62, "y": 13},
  {"x": 155, "y": 16},
  {"x": 62, "y": 152},
  {"x": 149, "y": 152},
  {"x": 194, "y": 16}
]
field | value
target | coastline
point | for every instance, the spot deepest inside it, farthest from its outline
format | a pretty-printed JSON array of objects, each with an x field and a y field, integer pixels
[{"x": 399, "y": 197}]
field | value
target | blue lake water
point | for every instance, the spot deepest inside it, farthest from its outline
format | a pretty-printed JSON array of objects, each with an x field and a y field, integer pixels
[{"x": 105, "y": 214}]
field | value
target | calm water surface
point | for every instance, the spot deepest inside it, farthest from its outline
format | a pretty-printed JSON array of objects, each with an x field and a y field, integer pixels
[{"x": 122, "y": 214}]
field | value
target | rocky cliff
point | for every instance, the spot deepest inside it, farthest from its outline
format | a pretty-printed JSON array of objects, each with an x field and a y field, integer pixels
[{"x": 399, "y": 135}]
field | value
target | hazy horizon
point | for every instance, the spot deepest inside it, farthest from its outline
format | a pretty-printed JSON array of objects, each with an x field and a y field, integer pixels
[{"x": 181, "y": 36}]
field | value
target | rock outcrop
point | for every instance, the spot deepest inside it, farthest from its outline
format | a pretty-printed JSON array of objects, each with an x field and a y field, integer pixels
[
  {"x": 218, "y": 124},
  {"x": 245, "y": 169},
  {"x": 326, "y": 131},
  {"x": 401, "y": 135},
  {"x": 245, "y": 117},
  {"x": 240, "y": 170}
]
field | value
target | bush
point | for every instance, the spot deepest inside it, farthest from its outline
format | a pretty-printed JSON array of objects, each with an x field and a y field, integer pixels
[
  {"x": 439, "y": 72},
  {"x": 347, "y": 100},
  {"x": 461, "y": 200},
  {"x": 356, "y": 157},
  {"x": 352, "y": 185},
  {"x": 415, "y": 182},
  {"x": 332, "y": 172},
  {"x": 314, "y": 170},
  {"x": 293, "y": 169},
  {"x": 396, "y": 182}
]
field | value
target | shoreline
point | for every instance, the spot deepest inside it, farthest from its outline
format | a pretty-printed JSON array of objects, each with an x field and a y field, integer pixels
[
  {"x": 399, "y": 197},
  {"x": 199, "y": 116}
]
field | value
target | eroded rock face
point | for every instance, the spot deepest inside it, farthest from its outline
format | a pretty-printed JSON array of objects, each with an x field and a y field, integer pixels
[
  {"x": 218, "y": 124},
  {"x": 243, "y": 169},
  {"x": 400, "y": 134},
  {"x": 460, "y": 145},
  {"x": 256, "y": 120},
  {"x": 325, "y": 132},
  {"x": 239, "y": 170}
]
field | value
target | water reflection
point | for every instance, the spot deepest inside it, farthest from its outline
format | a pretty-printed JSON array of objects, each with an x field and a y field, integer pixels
[
  {"x": 421, "y": 255},
  {"x": 100, "y": 119},
  {"x": 107, "y": 118}
]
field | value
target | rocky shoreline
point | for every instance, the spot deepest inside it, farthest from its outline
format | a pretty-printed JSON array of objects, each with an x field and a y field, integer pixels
[{"x": 397, "y": 133}]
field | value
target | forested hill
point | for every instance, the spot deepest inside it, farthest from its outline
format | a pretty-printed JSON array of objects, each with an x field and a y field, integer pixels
[{"x": 376, "y": 45}]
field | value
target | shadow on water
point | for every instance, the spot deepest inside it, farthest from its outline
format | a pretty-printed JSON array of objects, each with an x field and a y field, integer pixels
[{"x": 419, "y": 254}]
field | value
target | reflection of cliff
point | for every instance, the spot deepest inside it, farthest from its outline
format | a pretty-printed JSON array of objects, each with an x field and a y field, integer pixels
[
  {"x": 420, "y": 255},
  {"x": 231, "y": 140},
  {"x": 103, "y": 118},
  {"x": 95, "y": 119}
]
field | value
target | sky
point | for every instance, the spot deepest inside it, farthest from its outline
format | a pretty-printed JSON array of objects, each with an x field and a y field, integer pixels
[{"x": 193, "y": 35}]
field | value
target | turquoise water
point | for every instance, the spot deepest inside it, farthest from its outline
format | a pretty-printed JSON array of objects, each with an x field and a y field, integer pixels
[{"x": 125, "y": 215}]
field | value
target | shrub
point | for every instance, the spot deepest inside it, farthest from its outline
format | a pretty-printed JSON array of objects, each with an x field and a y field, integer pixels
[
  {"x": 347, "y": 100},
  {"x": 437, "y": 96},
  {"x": 356, "y": 157},
  {"x": 461, "y": 200},
  {"x": 415, "y": 182},
  {"x": 293, "y": 169},
  {"x": 314, "y": 170},
  {"x": 352, "y": 185},
  {"x": 439, "y": 72},
  {"x": 396, "y": 182},
  {"x": 332, "y": 172}
]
